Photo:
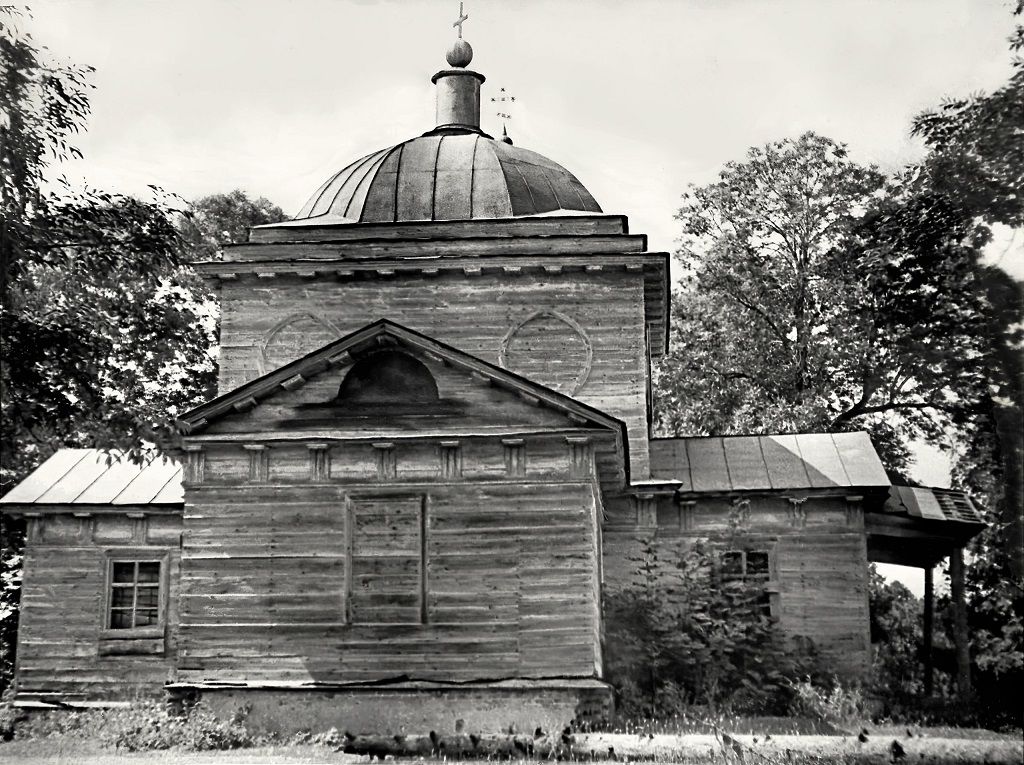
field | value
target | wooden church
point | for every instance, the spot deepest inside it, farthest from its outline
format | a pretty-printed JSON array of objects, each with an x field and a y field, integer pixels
[{"x": 430, "y": 457}]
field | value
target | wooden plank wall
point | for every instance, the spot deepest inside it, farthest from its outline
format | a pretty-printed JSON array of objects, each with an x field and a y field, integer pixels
[
  {"x": 62, "y": 604},
  {"x": 509, "y": 578},
  {"x": 466, "y": 405},
  {"x": 819, "y": 560},
  {"x": 470, "y": 312}
]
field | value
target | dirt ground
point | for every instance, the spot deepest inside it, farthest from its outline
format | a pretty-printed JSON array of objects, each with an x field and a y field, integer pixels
[
  {"x": 922, "y": 746},
  {"x": 71, "y": 752}
]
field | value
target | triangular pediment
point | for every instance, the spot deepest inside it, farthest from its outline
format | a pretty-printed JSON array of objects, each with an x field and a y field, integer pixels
[{"x": 386, "y": 379}]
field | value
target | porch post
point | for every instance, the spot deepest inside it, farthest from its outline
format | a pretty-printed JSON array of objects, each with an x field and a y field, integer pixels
[
  {"x": 960, "y": 639},
  {"x": 929, "y": 621}
]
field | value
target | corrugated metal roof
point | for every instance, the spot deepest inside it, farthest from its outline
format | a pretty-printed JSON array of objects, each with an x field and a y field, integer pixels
[
  {"x": 933, "y": 504},
  {"x": 752, "y": 463},
  {"x": 94, "y": 477}
]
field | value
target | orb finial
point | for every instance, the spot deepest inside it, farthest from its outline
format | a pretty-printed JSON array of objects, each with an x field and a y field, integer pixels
[{"x": 461, "y": 52}]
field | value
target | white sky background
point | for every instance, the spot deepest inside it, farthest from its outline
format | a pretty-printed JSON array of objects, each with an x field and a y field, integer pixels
[{"x": 637, "y": 99}]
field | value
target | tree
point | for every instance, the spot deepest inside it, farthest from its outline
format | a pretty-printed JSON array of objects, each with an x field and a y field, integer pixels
[
  {"x": 976, "y": 158},
  {"x": 819, "y": 295},
  {"x": 976, "y": 149},
  {"x": 219, "y": 219},
  {"x": 105, "y": 333},
  {"x": 896, "y": 639},
  {"x": 44, "y": 105}
]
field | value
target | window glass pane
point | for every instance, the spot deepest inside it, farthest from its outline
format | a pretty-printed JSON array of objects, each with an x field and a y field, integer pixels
[
  {"x": 120, "y": 619},
  {"x": 757, "y": 564},
  {"x": 148, "y": 597},
  {"x": 124, "y": 572},
  {"x": 121, "y": 597},
  {"x": 732, "y": 564},
  {"x": 134, "y": 594}
]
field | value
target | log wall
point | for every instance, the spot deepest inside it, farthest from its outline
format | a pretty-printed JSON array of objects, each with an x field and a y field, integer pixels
[
  {"x": 819, "y": 566},
  {"x": 361, "y": 577},
  {"x": 600, "y": 344},
  {"x": 62, "y": 647}
]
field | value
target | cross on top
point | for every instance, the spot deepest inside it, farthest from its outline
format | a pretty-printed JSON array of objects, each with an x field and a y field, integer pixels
[{"x": 462, "y": 18}]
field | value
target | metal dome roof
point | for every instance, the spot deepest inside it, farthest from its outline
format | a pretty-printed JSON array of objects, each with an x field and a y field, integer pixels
[{"x": 455, "y": 175}]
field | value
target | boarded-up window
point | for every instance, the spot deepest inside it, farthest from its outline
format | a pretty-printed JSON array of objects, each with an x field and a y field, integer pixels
[
  {"x": 134, "y": 594},
  {"x": 387, "y": 576}
]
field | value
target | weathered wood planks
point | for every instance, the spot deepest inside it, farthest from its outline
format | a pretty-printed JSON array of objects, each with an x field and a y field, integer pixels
[
  {"x": 61, "y": 639},
  {"x": 357, "y": 582}
]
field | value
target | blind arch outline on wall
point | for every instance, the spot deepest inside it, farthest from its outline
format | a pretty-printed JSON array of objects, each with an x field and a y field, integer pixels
[{"x": 588, "y": 348}]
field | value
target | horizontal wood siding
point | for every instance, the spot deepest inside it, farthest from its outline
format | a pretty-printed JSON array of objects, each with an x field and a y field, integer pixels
[
  {"x": 381, "y": 249},
  {"x": 59, "y": 634},
  {"x": 820, "y": 569},
  {"x": 471, "y": 313},
  {"x": 544, "y": 226},
  {"x": 509, "y": 582},
  {"x": 823, "y": 581},
  {"x": 545, "y": 457}
]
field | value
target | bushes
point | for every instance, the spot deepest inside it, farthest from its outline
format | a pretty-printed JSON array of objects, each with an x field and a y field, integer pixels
[
  {"x": 149, "y": 725},
  {"x": 145, "y": 725},
  {"x": 839, "y": 706},
  {"x": 683, "y": 636}
]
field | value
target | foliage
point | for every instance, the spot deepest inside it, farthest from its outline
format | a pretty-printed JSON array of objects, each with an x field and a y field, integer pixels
[
  {"x": 150, "y": 726},
  {"x": 147, "y": 724},
  {"x": 976, "y": 152},
  {"x": 995, "y": 617},
  {"x": 9, "y": 716},
  {"x": 818, "y": 295},
  {"x": 219, "y": 219},
  {"x": 976, "y": 159},
  {"x": 105, "y": 333},
  {"x": 680, "y": 637},
  {"x": 106, "y": 337},
  {"x": 838, "y": 705},
  {"x": 896, "y": 639},
  {"x": 897, "y": 681},
  {"x": 44, "y": 105}
]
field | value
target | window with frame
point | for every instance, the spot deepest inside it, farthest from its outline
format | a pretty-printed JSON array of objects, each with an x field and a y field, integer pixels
[
  {"x": 134, "y": 597},
  {"x": 749, "y": 566}
]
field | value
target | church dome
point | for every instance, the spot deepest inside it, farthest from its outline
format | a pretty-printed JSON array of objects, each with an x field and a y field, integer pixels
[
  {"x": 450, "y": 174},
  {"x": 454, "y": 172}
]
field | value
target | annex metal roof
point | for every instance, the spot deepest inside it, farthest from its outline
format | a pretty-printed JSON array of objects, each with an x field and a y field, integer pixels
[
  {"x": 95, "y": 477},
  {"x": 752, "y": 463},
  {"x": 446, "y": 177},
  {"x": 933, "y": 504}
]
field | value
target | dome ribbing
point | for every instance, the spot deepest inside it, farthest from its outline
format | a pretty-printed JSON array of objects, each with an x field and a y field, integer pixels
[{"x": 448, "y": 177}]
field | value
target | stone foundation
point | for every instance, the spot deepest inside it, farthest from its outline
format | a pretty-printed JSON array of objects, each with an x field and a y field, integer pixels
[{"x": 409, "y": 708}]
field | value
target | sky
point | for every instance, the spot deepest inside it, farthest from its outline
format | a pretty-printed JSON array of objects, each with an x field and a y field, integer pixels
[{"x": 638, "y": 99}]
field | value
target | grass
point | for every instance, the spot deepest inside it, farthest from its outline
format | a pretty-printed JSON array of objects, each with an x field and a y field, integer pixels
[
  {"x": 72, "y": 750},
  {"x": 923, "y": 746}
]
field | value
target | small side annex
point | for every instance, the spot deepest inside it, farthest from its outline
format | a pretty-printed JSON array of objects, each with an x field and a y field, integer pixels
[{"x": 100, "y": 589}]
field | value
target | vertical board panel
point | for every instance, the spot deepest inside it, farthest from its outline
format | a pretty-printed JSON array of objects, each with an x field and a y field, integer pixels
[{"x": 386, "y": 581}]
